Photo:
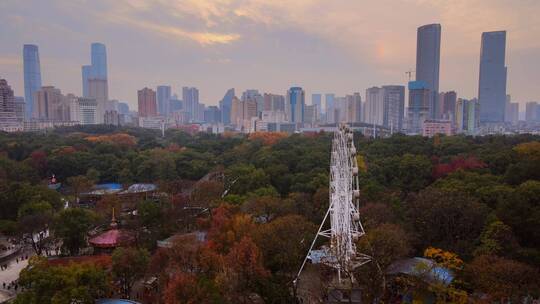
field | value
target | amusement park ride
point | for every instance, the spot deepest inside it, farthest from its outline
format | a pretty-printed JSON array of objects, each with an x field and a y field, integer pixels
[{"x": 345, "y": 226}]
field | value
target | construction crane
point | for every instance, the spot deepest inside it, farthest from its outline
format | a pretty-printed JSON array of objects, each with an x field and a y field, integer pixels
[{"x": 409, "y": 73}]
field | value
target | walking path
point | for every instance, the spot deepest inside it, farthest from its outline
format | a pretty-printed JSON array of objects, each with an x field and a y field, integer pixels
[{"x": 11, "y": 274}]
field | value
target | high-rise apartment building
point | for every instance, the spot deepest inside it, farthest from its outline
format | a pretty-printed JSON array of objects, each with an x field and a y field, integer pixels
[
  {"x": 147, "y": 103},
  {"x": 51, "y": 105},
  {"x": 9, "y": 120},
  {"x": 374, "y": 106},
  {"x": 273, "y": 102},
  {"x": 428, "y": 53},
  {"x": 394, "y": 107},
  {"x": 32, "y": 76},
  {"x": 163, "y": 99},
  {"x": 295, "y": 104},
  {"x": 242, "y": 111},
  {"x": 420, "y": 98},
  {"x": 467, "y": 115},
  {"x": 492, "y": 80},
  {"x": 447, "y": 105}
]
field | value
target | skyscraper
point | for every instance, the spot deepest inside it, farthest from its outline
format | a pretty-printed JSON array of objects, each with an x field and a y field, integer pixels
[
  {"x": 190, "y": 97},
  {"x": 428, "y": 53},
  {"x": 316, "y": 100},
  {"x": 295, "y": 104},
  {"x": 448, "y": 105},
  {"x": 32, "y": 76},
  {"x": 394, "y": 106},
  {"x": 225, "y": 106},
  {"x": 329, "y": 108},
  {"x": 532, "y": 110},
  {"x": 147, "y": 102},
  {"x": 98, "y": 89},
  {"x": 163, "y": 99},
  {"x": 96, "y": 70},
  {"x": 86, "y": 75},
  {"x": 492, "y": 80},
  {"x": 99, "y": 61}
]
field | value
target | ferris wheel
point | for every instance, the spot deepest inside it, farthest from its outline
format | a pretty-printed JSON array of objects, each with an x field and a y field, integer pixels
[{"x": 345, "y": 226}]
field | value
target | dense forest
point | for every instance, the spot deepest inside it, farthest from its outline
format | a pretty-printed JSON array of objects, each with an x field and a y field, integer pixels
[{"x": 470, "y": 204}]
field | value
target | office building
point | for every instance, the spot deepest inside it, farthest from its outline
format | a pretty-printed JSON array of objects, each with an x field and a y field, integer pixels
[
  {"x": 86, "y": 75},
  {"x": 123, "y": 108},
  {"x": 163, "y": 100},
  {"x": 316, "y": 100},
  {"x": 311, "y": 115},
  {"x": 329, "y": 108},
  {"x": 393, "y": 107},
  {"x": 428, "y": 53},
  {"x": 190, "y": 98},
  {"x": 295, "y": 104},
  {"x": 492, "y": 79},
  {"x": 32, "y": 76},
  {"x": 374, "y": 107},
  {"x": 212, "y": 115},
  {"x": 273, "y": 102},
  {"x": 420, "y": 98},
  {"x": 225, "y": 106},
  {"x": 447, "y": 105},
  {"x": 96, "y": 72},
  {"x": 147, "y": 103}
]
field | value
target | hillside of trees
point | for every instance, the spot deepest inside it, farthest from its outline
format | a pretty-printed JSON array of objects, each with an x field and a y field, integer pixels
[{"x": 471, "y": 204}]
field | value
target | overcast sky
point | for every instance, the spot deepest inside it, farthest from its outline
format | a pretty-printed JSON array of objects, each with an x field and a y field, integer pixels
[{"x": 339, "y": 46}]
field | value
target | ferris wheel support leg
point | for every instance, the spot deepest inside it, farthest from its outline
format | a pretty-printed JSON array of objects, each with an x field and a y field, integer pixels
[{"x": 312, "y": 244}]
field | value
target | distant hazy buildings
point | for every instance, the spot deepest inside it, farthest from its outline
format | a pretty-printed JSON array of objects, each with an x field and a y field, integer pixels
[
  {"x": 532, "y": 112},
  {"x": 295, "y": 104},
  {"x": 393, "y": 107},
  {"x": 492, "y": 80},
  {"x": 374, "y": 107},
  {"x": 32, "y": 76},
  {"x": 9, "y": 120},
  {"x": 511, "y": 114},
  {"x": 316, "y": 100},
  {"x": 190, "y": 98},
  {"x": 428, "y": 53},
  {"x": 420, "y": 98},
  {"x": 274, "y": 102},
  {"x": 84, "y": 110},
  {"x": 329, "y": 108},
  {"x": 163, "y": 100},
  {"x": 242, "y": 113},
  {"x": 147, "y": 103}
]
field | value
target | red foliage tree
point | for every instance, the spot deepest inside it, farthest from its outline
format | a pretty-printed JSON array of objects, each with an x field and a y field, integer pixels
[{"x": 458, "y": 163}]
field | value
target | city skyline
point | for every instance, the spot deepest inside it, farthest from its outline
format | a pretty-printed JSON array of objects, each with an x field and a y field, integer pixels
[{"x": 211, "y": 48}]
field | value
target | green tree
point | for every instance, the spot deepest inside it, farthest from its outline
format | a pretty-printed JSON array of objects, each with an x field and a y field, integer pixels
[
  {"x": 71, "y": 226},
  {"x": 47, "y": 284}
]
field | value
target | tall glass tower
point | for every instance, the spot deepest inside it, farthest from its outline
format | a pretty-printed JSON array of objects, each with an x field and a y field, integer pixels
[
  {"x": 492, "y": 80},
  {"x": 99, "y": 61},
  {"x": 163, "y": 99},
  {"x": 295, "y": 104},
  {"x": 428, "y": 55},
  {"x": 32, "y": 76}
]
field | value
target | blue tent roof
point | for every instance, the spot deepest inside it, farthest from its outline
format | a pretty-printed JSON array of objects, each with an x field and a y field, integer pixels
[
  {"x": 422, "y": 267},
  {"x": 115, "y": 301}
]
